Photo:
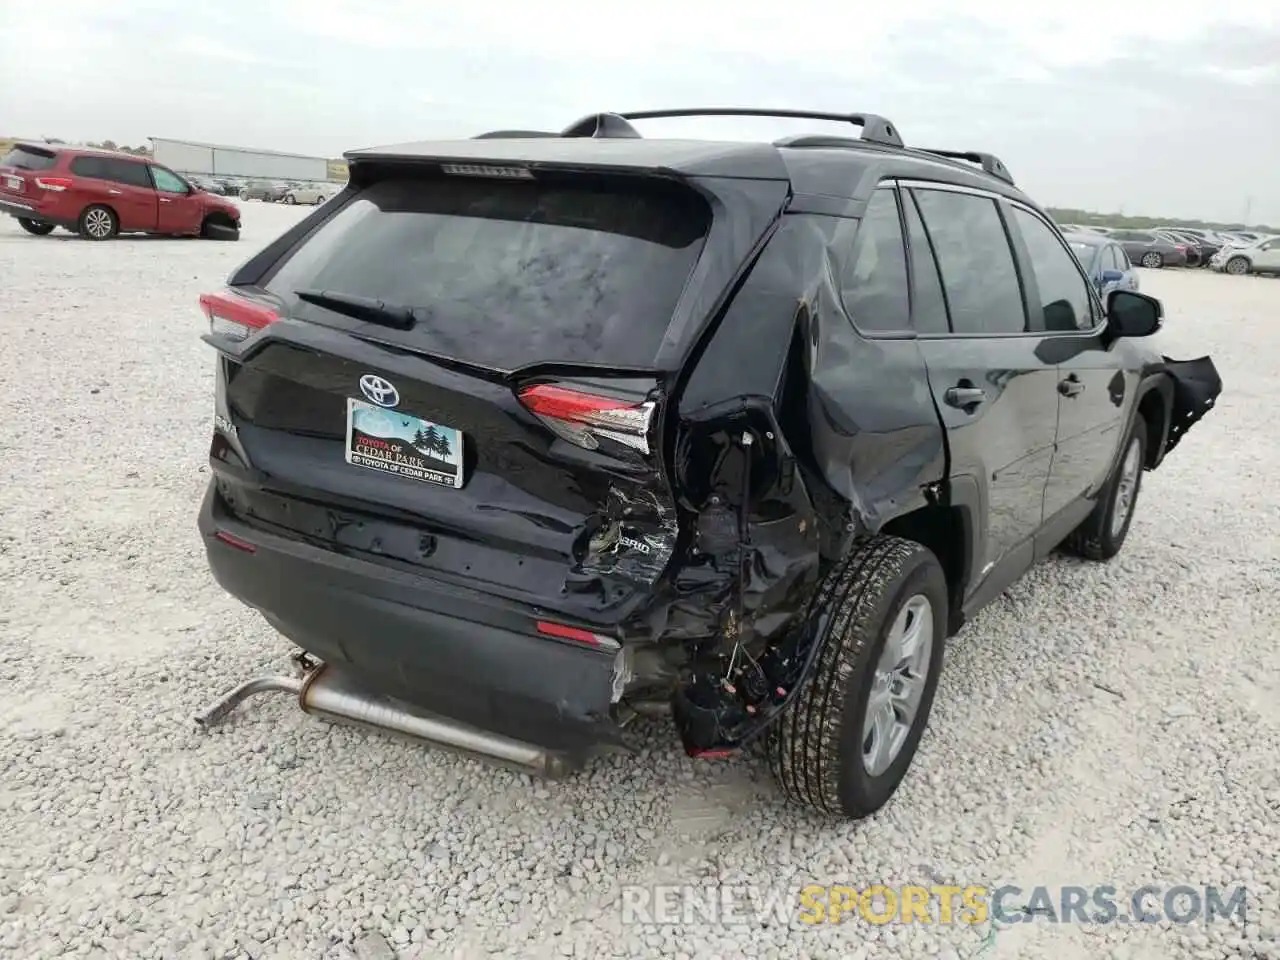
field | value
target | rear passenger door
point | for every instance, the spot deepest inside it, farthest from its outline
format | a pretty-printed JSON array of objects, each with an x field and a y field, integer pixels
[
  {"x": 994, "y": 391},
  {"x": 1092, "y": 385},
  {"x": 122, "y": 185}
]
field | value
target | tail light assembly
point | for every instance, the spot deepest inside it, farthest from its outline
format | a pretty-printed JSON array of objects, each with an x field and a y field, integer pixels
[
  {"x": 583, "y": 418},
  {"x": 234, "y": 316},
  {"x": 55, "y": 184}
]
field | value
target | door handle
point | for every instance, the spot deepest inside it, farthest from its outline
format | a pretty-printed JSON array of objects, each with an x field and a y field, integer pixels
[
  {"x": 113, "y": 193},
  {"x": 1071, "y": 386},
  {"x": 164, "y": 200},
  {"x": 965, "y": 397}
]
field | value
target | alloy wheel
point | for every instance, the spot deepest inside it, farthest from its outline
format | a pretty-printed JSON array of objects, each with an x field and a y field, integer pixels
[{"x": 898, "y": 685}]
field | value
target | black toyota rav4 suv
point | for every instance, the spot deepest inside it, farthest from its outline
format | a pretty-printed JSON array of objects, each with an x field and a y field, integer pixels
[{"x": 533, "y": 433}]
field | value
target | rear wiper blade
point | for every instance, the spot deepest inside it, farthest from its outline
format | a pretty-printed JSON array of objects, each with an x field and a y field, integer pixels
[{"x": 361, "y": 308}]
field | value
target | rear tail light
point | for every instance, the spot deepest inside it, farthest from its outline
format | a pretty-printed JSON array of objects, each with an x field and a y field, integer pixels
[
  {"x": 235, "y": 317},
  {"x": 576, "y": 634},
  {"x": 56, "y": 184},
  {"x": 582, "y": 418}
]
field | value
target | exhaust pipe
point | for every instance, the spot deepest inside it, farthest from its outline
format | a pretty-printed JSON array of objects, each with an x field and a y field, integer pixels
[{"x": 335, "y": 696}]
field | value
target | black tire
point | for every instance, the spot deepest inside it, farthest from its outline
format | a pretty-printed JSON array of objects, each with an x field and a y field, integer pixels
[
  {"x": 98, "y": 222},
  {"x": 1152, "y": 260},
  {"x": 290, "y": 198},
  {"x": 1237, "y": 266},
  {"x": 816, "y": 748},
  {"x": 217, "y": 230},
  {"x": 35, "y": 228},
  {"x": 1103, "y": 533}
]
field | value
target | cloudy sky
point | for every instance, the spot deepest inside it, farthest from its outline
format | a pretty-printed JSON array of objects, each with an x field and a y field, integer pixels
[{"x": 1169, "y": 107}]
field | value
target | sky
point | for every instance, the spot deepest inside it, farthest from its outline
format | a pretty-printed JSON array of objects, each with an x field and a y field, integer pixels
[{"x": 1169, "y": 108}]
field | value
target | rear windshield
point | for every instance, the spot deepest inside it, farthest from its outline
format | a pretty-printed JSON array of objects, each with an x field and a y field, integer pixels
[
  {"x": 506, "y": 273},
  {"x": 29, "y": 159}
]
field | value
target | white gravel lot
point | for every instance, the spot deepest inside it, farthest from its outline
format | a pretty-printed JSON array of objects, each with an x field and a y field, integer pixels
[{"x": 125, "y": 832}]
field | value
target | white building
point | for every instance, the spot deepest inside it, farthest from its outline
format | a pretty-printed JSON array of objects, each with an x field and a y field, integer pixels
[{"x": 207, "y": 159}]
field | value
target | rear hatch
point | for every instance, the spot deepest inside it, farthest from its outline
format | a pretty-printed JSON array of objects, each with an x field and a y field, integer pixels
[
  {"x": 20, "y": 166},
  {"x": 459, "y": 375}
]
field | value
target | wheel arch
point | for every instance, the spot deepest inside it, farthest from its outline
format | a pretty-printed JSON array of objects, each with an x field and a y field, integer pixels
[{"x": 948, "y": 530}]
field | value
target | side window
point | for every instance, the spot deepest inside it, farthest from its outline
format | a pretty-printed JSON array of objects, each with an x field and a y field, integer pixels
[
  {"x": 1122, "y": 258},
  {"x": 88, "y": 167},
  {"x": 975, "y": 261},
  {"x": 874, "y": 289},
  {"x": 126, "y": 171},
  {"x": 1064, "y": 294},
  {"x": 168, "y": 182},
  {"x": 928, "y": 304}
]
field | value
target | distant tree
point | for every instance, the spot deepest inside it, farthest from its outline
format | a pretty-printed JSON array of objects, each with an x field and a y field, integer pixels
[
  {"x": 428, "y": 439},
  {"x": 442, "y": 447}
]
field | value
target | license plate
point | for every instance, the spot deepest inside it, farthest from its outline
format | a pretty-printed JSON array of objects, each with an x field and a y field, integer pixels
[
  {"x": 398, "y": 443},
  {"x": 13, "y": 183}
]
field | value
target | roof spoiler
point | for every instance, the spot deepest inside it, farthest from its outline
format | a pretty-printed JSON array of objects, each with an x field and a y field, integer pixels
[{"x": 875, "y": 129}]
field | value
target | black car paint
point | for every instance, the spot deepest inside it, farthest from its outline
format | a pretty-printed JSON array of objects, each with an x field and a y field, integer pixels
[{"x": 779, "y": 456}]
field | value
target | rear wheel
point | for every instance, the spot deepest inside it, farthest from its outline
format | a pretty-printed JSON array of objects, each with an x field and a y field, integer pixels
[
  {"x": 98, "y": 223},
  {"x": 1237, "y": 266},
  {"x": 290, "y": 198},
  {"x": 1152, "y": 260},
  {"x": 847, "y": 742},
  {"x": 34, "y": 227},
  {"x": 1103, "y": 532}
]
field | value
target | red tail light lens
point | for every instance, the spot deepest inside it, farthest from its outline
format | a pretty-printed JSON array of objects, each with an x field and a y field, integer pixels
[
  {"x": 235, "y": 317},
  {"x": 56, "y": 184},
  {"x": 578, "y": 635},
  {"x": 582, "y": 418}
]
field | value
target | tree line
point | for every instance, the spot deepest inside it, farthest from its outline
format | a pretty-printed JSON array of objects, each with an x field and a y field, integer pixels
[{"x": 1087, "y": 218}]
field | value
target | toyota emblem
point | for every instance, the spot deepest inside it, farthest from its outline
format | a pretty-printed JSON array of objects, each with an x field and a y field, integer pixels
[{"x": 379, "y": 391}]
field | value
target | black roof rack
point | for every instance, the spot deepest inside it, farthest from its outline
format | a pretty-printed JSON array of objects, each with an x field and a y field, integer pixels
[
  {"x": 875, "y": 128},
  {"x": 989, "y": 162}
]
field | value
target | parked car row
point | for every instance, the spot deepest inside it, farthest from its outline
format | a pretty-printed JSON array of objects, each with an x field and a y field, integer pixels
[
  {"x": 273, "y": 191},
  {"x": 1235, "y": 251},
  {"x": 280, "y": 191}
]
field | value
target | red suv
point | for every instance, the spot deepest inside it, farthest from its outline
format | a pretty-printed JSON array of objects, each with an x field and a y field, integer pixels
[{"x": 100, "y": 194}]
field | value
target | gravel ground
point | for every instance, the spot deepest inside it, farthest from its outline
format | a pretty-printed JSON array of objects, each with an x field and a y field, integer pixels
[{"x": 124, "y": 832}]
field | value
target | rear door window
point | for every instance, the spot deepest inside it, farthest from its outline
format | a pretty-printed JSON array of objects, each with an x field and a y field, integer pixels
[
  {"x": 29, "y": 158},
  {"x": 928, "y": 303},
  {"x": 127, "y": 172},
  {"x": 976, "y": 262},
  {"x": 874, "y": 290},
  {"x": 506, "y": 273}
]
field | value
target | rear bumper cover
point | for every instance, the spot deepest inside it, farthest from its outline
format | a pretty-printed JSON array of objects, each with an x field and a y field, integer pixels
[{"x": 418, "y": 640}]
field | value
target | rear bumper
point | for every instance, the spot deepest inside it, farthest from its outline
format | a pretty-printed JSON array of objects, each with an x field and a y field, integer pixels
[
  {"x": 443, "y": 649},
  {"x": 17, "y": 208}
]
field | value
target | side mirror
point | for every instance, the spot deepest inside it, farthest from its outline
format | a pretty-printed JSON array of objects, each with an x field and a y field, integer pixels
[{"x": 1132, "y": 314}]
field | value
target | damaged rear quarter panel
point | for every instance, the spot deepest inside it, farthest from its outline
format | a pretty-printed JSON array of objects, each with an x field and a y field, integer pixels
[{"x": 845, "y": 437}]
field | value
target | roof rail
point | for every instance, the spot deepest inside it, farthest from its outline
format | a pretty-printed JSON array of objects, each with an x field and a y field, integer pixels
[
  {"x": 513, "y": 134},
  {"x": 606, "y": 125},
  {"x": 875, "y": 128},
  {"x": 989, "y": 162}
]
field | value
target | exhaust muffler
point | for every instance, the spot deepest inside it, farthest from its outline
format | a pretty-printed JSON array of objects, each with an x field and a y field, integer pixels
[{"x": 337, "y": 697}]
